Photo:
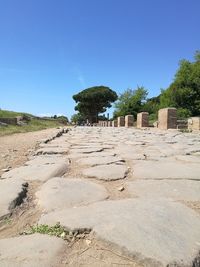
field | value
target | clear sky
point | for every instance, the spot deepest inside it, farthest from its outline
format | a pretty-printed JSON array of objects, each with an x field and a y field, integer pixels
[{"x": 52, "y": 49}]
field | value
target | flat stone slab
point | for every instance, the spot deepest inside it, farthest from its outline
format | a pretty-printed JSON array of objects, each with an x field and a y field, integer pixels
[
  {"x": 11, "y": 193},
  {"x": 31, "y": 250},
  {"x": 73, "y": 155},
  {"x": 93, "y": 161},
  {"x": 166, "y": 170},
  {"x": 52, "y": 150},
  {"x": 188, "y": 158},
  {"x": 60, "y": 193},
  {"x": 129, "y": 152},
  {"x": 87, "y": 150},
  {"x": 37, "y": 172},
  {"x": 47, "y": 159},
  {"x": 188, "y": 190},
  {"x": 109, "y": 172},
  {"x": 157, "y": 232}
]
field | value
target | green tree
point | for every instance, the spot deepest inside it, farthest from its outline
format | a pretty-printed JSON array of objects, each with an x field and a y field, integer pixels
[
  {"x": 130, "y": 102},
  {"x": 78, "y": 118},
  {"x": 152, "y": 105},
  {"x": 94, "y": 100},
  {"x": 184, "y": 92}
]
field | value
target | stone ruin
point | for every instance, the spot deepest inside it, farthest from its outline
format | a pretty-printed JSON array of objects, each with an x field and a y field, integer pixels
[
  {"x": 114, "y": 123},
  {"x": 120, "y": 121},
  {"x": 194, "y": 123},
  {"x": 129, "y": 120},
  {"x": 167, "y": 119},
  {"x": 142, "y": 119}
]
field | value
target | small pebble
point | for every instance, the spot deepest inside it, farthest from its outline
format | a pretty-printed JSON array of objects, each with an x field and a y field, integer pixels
[
  {"x": 121, "y": 188},
  {"x": 88, "y": 242}
]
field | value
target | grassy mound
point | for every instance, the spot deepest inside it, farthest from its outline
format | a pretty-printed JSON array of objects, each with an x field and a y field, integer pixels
[{"x": 32, "y": 124}]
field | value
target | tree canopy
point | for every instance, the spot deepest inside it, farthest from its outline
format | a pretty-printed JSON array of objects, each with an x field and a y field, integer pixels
[
  {"x": 78, "y": 118},
  {"x": 130, "y": 102},
  {"x": 93, "y": 101},
  {"x": 184, "y": 92}
]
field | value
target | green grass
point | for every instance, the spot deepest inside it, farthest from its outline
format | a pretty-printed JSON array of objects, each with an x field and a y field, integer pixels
[
  {"x": 56, "y": 230},
  {"x": 12, "y": 114},
  {"x": 33, "y": 125}
]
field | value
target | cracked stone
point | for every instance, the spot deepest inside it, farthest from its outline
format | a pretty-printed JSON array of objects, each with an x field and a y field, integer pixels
[
  {"x": 156, "y": 232},
  {"x": 47, "y": 159},
  {"x": 87, "y": 150},
  {"x": 93, "y": 161},
  {"x": 52, "y": 150},
  {"x": 37, "y": 172},
  {"x": 12, "y": 193}
]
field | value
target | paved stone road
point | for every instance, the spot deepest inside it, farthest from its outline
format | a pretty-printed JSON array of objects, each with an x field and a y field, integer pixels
[{"x": 136, "y": 189}]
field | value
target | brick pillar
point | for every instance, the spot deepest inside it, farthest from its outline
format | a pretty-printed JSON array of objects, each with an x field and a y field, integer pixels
[
  {"x": 142, "y": 119},
  {"x": 120, "y": 121},
  {"x": 114, "y": 123},
  {"x": 129, "y": 119},
  {"x": 167, "y": 118}
]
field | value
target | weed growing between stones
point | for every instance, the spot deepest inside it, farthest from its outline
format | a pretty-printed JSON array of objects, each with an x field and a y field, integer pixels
[
  {"x": 55, "y": 230},
  {"x": 58, "y": 231},
  {"x": 7, "y": 220}
]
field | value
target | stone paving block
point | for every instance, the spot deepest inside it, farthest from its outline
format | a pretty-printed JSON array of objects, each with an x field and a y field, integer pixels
[
  {"x": 59, "y": 193},
  {"x": 188, "y": 190},
  {"x": 188, "y": 158},
  {"x": 166, "y": 170},
  {"x": 51, "y": 150},
  {"x": 89, "y": 155},
  {"x": 12, "y": 193},
  {"x": 157, "y": 232},
  {"x": 93, "y": 161},
  {"x": 37, "y": 172},
  {"x": 31, "y": 251},
  {"x": 47, "y": 160},
  {"x": 87, "y": 150},
  {"x": 109, "y": 172}
]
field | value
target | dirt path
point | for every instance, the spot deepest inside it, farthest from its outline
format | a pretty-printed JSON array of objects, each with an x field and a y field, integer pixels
[{"x": 14, "y": 149}]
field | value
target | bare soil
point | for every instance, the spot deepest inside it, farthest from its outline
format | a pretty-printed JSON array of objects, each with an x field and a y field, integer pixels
[{"x": 15, "y": 148}]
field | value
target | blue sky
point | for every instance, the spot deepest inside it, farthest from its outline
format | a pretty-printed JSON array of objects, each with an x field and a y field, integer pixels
[{"x": 52, "y": 49}]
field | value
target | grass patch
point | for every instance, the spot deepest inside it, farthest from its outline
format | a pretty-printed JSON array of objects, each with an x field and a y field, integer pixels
[
  {"x": 13, "y": 114},
  {"x": 58, "y": 231},
  {"x": 7, "y": 220},
  {"x": 31, "y": 126}
]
